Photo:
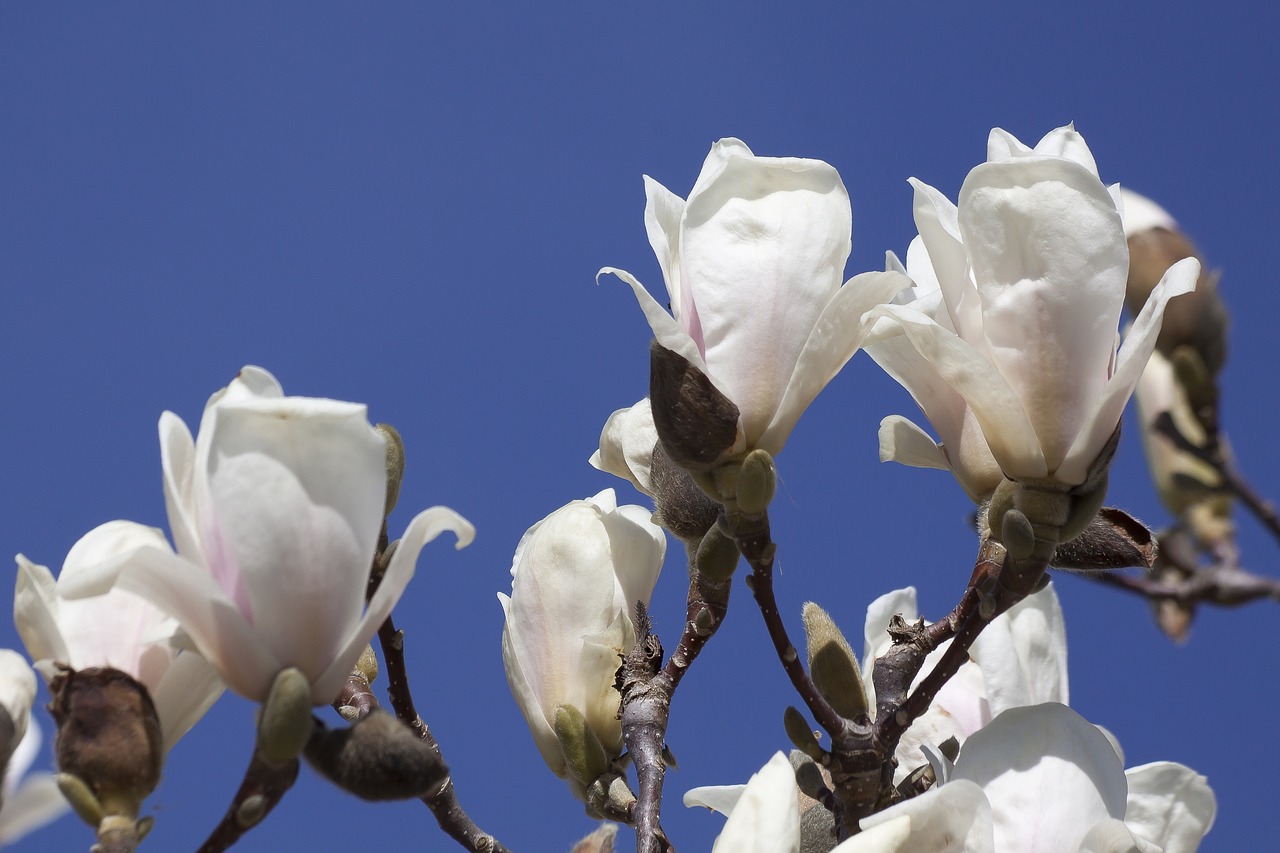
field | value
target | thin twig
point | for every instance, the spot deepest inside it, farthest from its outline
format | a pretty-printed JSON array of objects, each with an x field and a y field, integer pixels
[{"x": 263, "y": 787}]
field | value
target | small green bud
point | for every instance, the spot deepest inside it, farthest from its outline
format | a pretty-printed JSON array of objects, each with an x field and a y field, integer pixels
[
  {"x": 143, "y": 827},
  {"x": 800, "y": 733},
  {"x": 757, "y": 482},
  {"x": 583, "y": 752},
  {"x": 832, "y": 664},
  {"x": 367, "y": 665},
  {"x": 395, "y": 464},
  {"x": 251, "y": 811},
  {"x": 717, "y": 557},
  {"x": 285, "y": 722},
  {"x": 81, "y": 797},
  {"x": 1017, "y": 535}
]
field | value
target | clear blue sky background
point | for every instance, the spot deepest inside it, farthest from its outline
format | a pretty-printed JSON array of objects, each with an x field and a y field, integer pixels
[{"x": 406, "y": 205}]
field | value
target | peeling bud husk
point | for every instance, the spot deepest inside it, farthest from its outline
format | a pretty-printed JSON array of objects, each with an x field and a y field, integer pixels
[
  {"x": 108, "y": 740},
  {"x": 378, "y": 758},
  {"x": 1113, "y": 540},
  {"x": 695, "y": 422}
]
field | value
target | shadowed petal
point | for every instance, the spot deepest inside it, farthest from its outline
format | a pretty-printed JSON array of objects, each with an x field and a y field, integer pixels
[{"x": 1169, "y": 805}]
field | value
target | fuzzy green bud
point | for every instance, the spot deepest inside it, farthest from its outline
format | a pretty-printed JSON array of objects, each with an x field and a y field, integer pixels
[
  {"x": 284, "y": 725},
  {"x": 584, "y": 754},
  {"x": 832, "y": 664}
]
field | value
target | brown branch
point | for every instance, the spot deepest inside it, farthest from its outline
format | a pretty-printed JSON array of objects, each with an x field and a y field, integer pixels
[{"x": 264, "y": 785}]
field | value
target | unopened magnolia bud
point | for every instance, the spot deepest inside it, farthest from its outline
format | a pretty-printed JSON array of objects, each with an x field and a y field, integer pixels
[
  {"x": 108, "y": 737},
  {"x": 285, "y": 723},
  {"x": 367, "y": 664},
  {"x": 717, "y": 555},
  {"x": 832, "y": 664},
  {"x": 395, "y": 464},
  {"x": 583, "y": 753},
  {"x": 695, "y": 422},
  {"x": 600, "y": 841},
  {"x": 1017, "y": 535},
  {"x": 757, "y": 482},
  {"x": 378, "y": 758}
]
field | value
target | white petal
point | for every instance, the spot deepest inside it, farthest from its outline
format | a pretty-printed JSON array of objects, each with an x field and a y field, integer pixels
[
  {"x": 766, "y": 818},
  {"x": 876, "y": 628},
  {"x": 1067, "y": 142},
  {"x": 626, "y": 445},
  {"x": 1048, "y": 774},
  {"x": 1050, "y": 262},
  {"x": 892, "y": 836},
  {"x": 835, "y": 337},
  {"x": 296, "y": 490},
  {"x": 1023, "y": 654},
  {"x": 1142, "y": 214},
  {"x": 903, "y": 442},
  {"x": 1003, "y": 145},
  {"x": 35, "y": 802},
  {"x": 424, "y": 528},
  {"x": 188, "y": 689},
  {"x": 763, "y": 247},
  {"x": 639, "y": 547},
  {"x": 188, "y": 593},
  {"x": 995, "y": 405},
  {"x": 953, "y": 818},
  {"x": 1112, "y": 836},
  {"x": 1130, "y": 361},
  {"x": 718, "y": 798},
  {"x": 178, "y": 459},
  {"x": 35, "y": 612},
  {"x": 1169, "y": 805},
  {"x": 938, "y": 223},
  {"x": 663, "y": 211}
]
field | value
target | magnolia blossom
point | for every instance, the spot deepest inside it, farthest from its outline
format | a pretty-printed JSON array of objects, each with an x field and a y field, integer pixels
[
  {"x": 576, "y": 578},
  {"x": 30, "y": 800},
  {"x": 764, "y": 814},
  {"x": 1010, "y": 346},
  {"x": 117, "y": 630},
  {"x": 275, "y": 509},
  {"x": 1042, "y": 779},
  {"x": 1019, "y": 659},
  {"x": 753, "y": 263}
]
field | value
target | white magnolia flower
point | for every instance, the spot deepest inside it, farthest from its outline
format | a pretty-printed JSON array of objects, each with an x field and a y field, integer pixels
[
  {"x": 764, "y": 814},
  {"x": 576, "y": 578},
  {"x": 753, "y": 263},
  {"x": 1013, "y": 356},
  {"x": 30, "y": 799},
  {"x": 117, "y": 630},
  {"x": 626, "y": 445},
  {"x": 1019, "y": 659},
  {"x": 17, "y": 693},
  {"x": 1042, "y": 779},
  {"x": 275, "y": 510}
]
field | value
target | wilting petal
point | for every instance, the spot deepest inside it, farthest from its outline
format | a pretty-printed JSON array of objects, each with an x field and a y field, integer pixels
[
  {"x": 1048, "y": 774},
  {"x": 424, "y": 527},
  {"x": 718, "y": 798},
  {"x": 766, "y": 818},
  {"x": 903, "y": 442},
  {"x": 178, "y": 459},
  {"x": 1169, "y": 805},
  {"x": 30, "y": 799}
]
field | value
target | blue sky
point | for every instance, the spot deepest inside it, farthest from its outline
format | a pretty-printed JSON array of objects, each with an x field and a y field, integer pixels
[{"x": 406, "y": 204}]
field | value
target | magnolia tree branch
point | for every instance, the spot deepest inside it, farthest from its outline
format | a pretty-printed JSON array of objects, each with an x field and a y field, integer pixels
[
  {"x": 647, "y": 693},
  {"x": 443, "y": 801},
  {"x": 264, "y": 785}
]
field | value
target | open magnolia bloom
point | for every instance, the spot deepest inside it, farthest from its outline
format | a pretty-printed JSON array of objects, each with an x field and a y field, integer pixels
[
  {"x": 576, "y": 578},
  {"x": 1013, "y": 356},
  {"x": 753, "y": 263},
  {"x": 1019, "y": 659},
  {"x": 1042, "y": 779},
  {"x": 117, "y": 629},
  {"x": 275, "y": 509}
]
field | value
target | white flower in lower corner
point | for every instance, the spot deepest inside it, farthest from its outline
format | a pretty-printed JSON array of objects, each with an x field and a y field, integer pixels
[
  {"x": 1013, "y": 354},
  {"x": 1019, "y": 659},
  {"x": 275, "y": 509},
  {"x": 764, "y": 814},
  {"x": 576, "y": 578},
  {"x": 1042, "y": 779},
  {"x": 117, "y": 629}
]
